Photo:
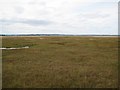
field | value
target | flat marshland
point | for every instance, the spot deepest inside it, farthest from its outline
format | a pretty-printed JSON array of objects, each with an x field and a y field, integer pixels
[{"x": 60, "y": 62}]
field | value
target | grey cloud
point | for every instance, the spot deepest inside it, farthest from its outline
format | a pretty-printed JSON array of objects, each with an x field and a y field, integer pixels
[
  {"x": 24, "y": 21},
  {"x": 96, "y": 15},
  {"x": 19, "y": 9}
]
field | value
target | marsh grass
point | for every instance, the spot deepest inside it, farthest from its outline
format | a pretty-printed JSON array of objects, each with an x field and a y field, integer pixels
[{"x": 60, "y": 62}]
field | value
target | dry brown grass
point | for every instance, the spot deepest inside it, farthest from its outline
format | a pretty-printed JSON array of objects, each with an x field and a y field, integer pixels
[{"x": 60, "y": 62}]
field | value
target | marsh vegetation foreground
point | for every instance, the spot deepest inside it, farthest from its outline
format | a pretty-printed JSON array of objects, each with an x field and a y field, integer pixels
[{"x": 60, "y": 62}]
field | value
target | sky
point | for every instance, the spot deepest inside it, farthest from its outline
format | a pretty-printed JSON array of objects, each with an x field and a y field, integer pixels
[{"x": 59, "y": 17}]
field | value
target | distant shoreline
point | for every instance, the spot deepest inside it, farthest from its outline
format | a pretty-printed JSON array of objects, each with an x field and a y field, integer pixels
[{"x": 58, "y": 35}]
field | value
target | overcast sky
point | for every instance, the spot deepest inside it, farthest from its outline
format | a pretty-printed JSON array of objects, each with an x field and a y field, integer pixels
[{"x": 59, "y": 17}]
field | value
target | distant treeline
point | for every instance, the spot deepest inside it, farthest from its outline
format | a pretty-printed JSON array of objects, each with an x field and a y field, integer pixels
[{"x": 51, "y": 35}]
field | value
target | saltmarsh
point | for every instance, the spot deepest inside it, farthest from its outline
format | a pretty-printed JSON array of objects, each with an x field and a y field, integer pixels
[{"x": 60, "y": 62}]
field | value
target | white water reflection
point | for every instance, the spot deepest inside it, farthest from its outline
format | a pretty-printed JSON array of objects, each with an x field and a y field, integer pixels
[{"x": 14, "y": 48}]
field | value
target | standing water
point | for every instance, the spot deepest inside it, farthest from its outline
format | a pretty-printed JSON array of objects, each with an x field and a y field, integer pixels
[{"x": 14, "y": 48}]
